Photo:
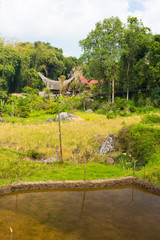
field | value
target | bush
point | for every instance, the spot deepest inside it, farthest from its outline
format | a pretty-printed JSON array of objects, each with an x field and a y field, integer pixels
[
  {"x": 121, "y": 103},
  {"x": 151, "y": 119},
  {"x": 101, "y": 111},
  {"x": 34, "y": 154},
  {"x": 111, "y": 115},
  {"x": 71, "y": 103},
  {"x": 140, "y": 141},
  {"x": 23, "y": 111},
  {"x": 124, "y": 160}
]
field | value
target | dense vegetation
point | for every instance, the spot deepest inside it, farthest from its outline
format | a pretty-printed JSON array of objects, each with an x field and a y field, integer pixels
[
  {"x": 126, "y": 61},
  {"x": 125, "y": 57},
  {"x": 20, "y": 63}
]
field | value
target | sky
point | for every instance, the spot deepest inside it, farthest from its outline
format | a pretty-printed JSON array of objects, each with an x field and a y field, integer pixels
[{"x": 63, "y": 23}]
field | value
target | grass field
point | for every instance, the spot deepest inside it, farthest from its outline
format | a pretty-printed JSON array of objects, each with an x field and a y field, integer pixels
[
  {"x": 44, "y": 137},
  {"x": 34, "y": 135}
]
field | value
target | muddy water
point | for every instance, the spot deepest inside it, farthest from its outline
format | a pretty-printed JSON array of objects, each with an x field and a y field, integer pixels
[{"x": 113, "y": 214}]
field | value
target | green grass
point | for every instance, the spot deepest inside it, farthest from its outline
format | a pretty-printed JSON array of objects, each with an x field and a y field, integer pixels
[
  {"x": 35, "y": 117},
  {"x": 14, "y": 166},
  {"x": 76, "y": 172}
]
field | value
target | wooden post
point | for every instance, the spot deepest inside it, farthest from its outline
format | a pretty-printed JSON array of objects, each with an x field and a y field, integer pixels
[
  {"x": 85, "y": 176},
  {"x": 11, "y": 233},
  {"x": 134, "y": 166},
  {"x": 60, "y": 139}
]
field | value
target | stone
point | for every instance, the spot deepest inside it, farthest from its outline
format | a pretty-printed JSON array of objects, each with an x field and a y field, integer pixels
[
  {"x": 109, "y": 161},
  {"x": 89, "y": 111},
  {"x": 64, "y": 116},
  {"x": 48, "y": 160},
  {"x": 1, "y": 120},
  {"x": 50, "y": 120},
  {"x": 107, "y": 146}
]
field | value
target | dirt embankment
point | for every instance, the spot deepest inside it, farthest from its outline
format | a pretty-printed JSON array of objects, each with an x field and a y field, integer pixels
[{"x": 68, "y": 185}]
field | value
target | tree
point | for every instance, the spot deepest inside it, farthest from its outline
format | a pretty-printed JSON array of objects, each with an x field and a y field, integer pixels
[
  {"x": 154, "y": 61},
  {"x": 133, "y": 62},
  {"x": 69, "y": 63},
  {"x": 10, "y": 63},
  {"x": 102, "y": 49},
  {"x": 76, "y": 71}
]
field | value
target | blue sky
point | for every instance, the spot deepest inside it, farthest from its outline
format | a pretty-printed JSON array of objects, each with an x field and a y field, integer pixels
[
  {"x": 135, "y": 5},
  {"x": 64, "y": 22}
]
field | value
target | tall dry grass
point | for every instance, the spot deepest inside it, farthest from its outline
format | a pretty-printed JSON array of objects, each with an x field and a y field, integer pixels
[{"x": 76, "y": 135}]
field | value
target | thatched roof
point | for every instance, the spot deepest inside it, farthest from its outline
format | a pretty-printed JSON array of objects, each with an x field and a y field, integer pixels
[{"x": 54, "y": 85}]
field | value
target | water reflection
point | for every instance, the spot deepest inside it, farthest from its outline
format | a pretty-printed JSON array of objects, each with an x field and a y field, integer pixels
[
  {"x": 116, "y": 214},
  {"x": 84, "y": 196}
]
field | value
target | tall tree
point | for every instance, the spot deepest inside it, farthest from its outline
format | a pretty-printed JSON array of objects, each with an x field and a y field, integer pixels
[
  {"x": 102, "y": 49},
  {"x": 154, "y": 60},
  {"x": 134, "y": 54}
]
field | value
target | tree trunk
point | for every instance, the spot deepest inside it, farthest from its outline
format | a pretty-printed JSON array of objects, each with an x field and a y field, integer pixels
[
  {"x": 128, "y": 79},
  {"x": 127, "y": 92},
  {"x": 109, "y": 92},
  {"x": 112, "y": 89}
]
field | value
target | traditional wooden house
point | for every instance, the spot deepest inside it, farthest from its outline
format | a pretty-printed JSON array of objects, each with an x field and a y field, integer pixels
[{"x": 56, "y": 86}]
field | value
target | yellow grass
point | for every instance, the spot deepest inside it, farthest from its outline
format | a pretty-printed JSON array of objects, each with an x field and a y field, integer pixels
[{"x": 76, "y": 135}]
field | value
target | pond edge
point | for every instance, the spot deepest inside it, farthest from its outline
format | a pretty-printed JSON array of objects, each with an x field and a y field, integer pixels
[{"x": 68, "y": 185}]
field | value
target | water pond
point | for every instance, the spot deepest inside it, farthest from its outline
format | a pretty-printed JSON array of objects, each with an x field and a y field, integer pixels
[{"x": 123, "y": 213}]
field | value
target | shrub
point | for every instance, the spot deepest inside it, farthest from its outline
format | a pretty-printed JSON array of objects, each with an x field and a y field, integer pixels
[
  {"x": 34, "y": 154},
  {"x": 140, "y": 141},
  {"x": 111, "y": 115},
  {"x": 23, "y": 111},
  {"x": 124, "y": 160},
  {"x": 101, "y": 111},
  {"x": 151, "y": 119},
  {"x": 121, "y": 103}
]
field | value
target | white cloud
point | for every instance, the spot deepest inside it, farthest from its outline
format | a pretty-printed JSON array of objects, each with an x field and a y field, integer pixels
[
  {"x": 150, "y": 14},
  {"x": 65, "y": 22}
]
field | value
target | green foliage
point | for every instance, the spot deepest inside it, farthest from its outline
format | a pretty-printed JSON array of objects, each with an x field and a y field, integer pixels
[
  {"x": 102, "y": 50},
  {"x": 34, "y": 154},
  {"x": 124, "y": 160},
  {"x": 1, "y": 107},
  {"x": 111, "y": 115},
  {"x": 155, "y": 96},
  {"x": 71, "y": 103},
  {"x": 21, "y": 62},
  {"x": 140, "y": 141},
  {"x": 3, "y": 94},
  {"x": 151, "y": 119},
  {"x": 53, "y": 109},
  {"x": 154, "y": 58}
]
